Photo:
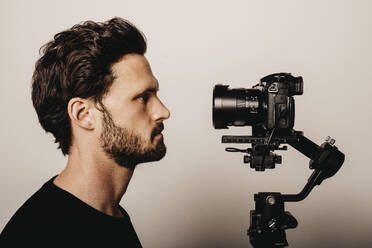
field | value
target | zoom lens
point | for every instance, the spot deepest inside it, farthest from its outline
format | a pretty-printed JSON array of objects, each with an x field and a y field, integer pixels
[{"x": 236, "y": 107}]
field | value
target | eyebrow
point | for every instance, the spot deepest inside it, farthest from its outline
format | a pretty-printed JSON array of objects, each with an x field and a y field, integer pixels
[{"x": 148, "y": 90}]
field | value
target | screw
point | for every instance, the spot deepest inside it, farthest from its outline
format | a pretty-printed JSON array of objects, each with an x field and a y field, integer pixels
[
  {"x": 272, "y": 223},
  {"x": 330, "y": 141},
  {"x": 270, "y": 200}
]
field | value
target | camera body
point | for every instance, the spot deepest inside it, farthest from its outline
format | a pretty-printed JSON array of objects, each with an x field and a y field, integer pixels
[
  {"x": 267, "y": 105},
  {"x": 279, "y": 90}
]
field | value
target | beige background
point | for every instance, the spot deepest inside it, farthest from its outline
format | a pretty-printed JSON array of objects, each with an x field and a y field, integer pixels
[{"x": 199, "y": 195}]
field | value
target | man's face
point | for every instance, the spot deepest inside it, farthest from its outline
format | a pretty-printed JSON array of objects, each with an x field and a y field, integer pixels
[{"x": 133, "y": 116}]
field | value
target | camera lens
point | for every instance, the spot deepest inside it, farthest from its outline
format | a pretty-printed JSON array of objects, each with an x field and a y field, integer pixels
[{"x": 236, "y": 107}]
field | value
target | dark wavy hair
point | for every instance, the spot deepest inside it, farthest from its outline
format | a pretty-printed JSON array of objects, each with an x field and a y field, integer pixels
[{"x": 78, "y": 63}]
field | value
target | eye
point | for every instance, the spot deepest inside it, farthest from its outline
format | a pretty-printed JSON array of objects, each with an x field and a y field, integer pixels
[{"x": 144, "y": 98}]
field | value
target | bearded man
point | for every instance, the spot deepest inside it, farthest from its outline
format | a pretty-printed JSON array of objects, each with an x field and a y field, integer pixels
[{"x": 94, "y": 90}]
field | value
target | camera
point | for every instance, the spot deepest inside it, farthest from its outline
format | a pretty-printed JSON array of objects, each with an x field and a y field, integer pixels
[{"x": 267, "y": 105}]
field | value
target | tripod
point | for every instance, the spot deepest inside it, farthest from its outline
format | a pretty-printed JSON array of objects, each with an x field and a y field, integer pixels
[{"x": 269, "y": 221}]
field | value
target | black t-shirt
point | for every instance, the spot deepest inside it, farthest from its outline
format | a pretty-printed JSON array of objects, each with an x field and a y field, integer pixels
[{"x": 54, "y": 217}]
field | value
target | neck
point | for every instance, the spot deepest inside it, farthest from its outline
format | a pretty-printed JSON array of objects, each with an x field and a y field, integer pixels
[{"x": 100, "y": 183}]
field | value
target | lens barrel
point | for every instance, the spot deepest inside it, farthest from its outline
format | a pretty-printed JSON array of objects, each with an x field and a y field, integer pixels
[{"x": 236, "y": 107}]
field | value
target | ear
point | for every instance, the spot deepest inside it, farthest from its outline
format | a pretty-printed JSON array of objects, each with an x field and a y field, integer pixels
[{"x": 80, "y": 112}]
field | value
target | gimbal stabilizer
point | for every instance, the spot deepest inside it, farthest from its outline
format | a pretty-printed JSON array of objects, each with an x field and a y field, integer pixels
[
  {"x": 269, "y": 108},
  {"x": 269, "y": 220}
]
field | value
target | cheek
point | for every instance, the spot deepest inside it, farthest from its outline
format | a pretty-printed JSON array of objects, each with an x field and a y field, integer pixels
[
  {"x": 134, "y": 117},
  {"x": 140, "y": 123}
]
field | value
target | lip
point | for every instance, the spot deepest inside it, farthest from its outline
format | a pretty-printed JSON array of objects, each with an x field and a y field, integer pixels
[{"x": 159, "y": 135}]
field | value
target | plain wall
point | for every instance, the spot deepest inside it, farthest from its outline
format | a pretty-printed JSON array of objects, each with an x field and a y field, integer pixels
[{"x": 199, "y": 195}]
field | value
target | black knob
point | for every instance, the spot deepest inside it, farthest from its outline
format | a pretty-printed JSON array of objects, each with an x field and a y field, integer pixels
[{"x": 247, "y": 159}]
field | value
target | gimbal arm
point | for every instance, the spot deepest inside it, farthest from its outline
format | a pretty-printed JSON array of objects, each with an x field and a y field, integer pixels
[{"x": 326, "y": 159}]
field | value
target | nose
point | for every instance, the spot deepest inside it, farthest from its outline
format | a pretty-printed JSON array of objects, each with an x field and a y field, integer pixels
[{"x": 162, "y": 113}]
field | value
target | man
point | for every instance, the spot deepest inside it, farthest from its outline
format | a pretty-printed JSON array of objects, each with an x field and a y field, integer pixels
[{"x": 93, "y": 89}]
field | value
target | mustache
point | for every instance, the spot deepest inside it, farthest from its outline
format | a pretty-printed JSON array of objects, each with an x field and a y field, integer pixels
[{"x": 158, "y": 129}]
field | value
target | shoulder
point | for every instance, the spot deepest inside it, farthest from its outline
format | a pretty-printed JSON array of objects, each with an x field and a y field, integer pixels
[
  {"x": 52, "y": 213},
  {"x": 34, "y": 217}
]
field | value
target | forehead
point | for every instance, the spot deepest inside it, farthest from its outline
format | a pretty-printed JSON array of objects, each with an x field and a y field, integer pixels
[{"x": 132, "y": 75}]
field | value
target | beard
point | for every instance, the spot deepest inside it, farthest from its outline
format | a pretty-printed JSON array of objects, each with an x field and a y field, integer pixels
[{"x": 127, "y": 148}]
